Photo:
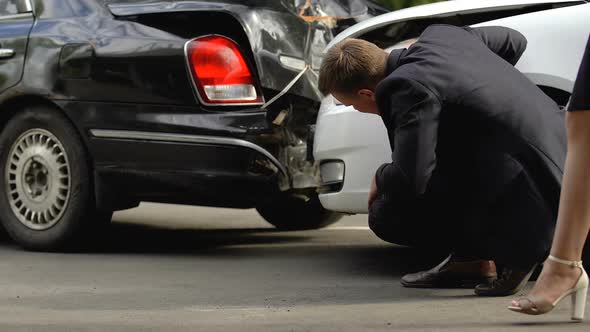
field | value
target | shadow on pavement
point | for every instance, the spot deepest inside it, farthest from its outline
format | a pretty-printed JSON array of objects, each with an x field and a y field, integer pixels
[
  {"x": 324, "y": 253},
  {"x": 133, "y": 238},
  {"x": 311, "y": 267},
  {"x": 378, "y": 259},
  {"x": 367, "y": 256}
]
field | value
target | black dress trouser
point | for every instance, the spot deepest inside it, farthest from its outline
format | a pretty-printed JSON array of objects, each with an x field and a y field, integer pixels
[{"x": 484, "y": 212}]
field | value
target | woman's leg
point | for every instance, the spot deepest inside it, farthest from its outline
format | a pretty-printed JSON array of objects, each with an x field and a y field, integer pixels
[
  {"x": 574, "y": 212},
  {"x": 573, "y": 221}
]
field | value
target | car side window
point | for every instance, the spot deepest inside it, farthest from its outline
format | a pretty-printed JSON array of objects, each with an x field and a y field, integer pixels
[{"x": 8, "y": 7}]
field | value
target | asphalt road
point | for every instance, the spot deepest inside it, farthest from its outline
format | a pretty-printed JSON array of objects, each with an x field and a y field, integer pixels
[{"x": 174, "y": 268}]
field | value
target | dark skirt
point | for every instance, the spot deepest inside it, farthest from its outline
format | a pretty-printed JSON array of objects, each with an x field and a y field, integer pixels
[{"x": 580, "y": 100}]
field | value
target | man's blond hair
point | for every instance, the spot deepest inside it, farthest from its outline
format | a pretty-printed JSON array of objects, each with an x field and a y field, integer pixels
[{"x": 352, "y": 65}]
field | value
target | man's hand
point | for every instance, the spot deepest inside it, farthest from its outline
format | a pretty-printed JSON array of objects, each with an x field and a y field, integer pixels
[{"x": 372, "y": 192}]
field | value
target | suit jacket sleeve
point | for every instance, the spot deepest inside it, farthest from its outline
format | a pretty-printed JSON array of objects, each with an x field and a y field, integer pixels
[
  {"x": 507, "y": 43},
  {"x": 414, "y": 121}
]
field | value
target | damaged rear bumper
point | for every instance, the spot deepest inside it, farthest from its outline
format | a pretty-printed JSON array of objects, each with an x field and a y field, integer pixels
[
  {"x": 176, "y": 154},
  {"x": 184, "y": 169},
  {"x": 221, "y": 142}
]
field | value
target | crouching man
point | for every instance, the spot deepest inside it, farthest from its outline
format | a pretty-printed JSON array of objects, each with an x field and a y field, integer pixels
[{"x": 478, "y": 152}]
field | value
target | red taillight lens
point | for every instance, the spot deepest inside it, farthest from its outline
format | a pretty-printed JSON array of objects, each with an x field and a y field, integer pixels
[{"x": 220, "y": 72}]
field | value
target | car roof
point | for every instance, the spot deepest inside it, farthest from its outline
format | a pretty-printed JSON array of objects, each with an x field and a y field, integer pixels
[{"x": 437, "y": 8}]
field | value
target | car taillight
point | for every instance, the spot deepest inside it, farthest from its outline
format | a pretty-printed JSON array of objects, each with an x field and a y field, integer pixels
[{"x": 220, "y": 72}]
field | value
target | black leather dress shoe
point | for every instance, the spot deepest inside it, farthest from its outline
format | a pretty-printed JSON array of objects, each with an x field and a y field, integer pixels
[
  {"x": 510, "y": 282},
  {"x": 452, "y": 273}
]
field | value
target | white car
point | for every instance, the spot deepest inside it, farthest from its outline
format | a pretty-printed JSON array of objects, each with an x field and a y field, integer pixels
[{"x": 350, "y": 145}]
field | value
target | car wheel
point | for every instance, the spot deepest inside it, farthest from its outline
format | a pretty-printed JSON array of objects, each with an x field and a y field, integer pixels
[
  {"x": 46, "y": 200},
  {"x": 288, "y": 212}
]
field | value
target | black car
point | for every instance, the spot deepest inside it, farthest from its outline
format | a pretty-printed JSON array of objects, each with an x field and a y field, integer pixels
[{"x": 106, "y": 103}]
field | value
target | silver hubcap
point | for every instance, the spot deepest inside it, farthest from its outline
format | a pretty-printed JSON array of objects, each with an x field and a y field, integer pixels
[{"x": 38, "y": 179}]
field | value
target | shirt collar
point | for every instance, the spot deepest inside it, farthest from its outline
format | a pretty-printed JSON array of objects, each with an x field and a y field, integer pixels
[
  {"x": 394, "y": 60},
  {"x": 392, "y": 63}
]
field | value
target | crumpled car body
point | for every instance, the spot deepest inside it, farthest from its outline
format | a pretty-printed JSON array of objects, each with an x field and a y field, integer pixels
[{"x": 152, "y": 111}]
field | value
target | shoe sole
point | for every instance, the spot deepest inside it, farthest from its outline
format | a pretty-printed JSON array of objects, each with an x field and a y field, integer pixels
[
  {"x": 509, "y": 292},
  {"x": 462, "y": 284}
]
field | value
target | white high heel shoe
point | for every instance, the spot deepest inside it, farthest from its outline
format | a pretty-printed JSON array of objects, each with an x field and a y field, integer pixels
[{"x": 538, "y": 306}]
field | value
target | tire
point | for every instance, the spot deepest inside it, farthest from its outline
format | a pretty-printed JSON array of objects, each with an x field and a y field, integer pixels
[
  {"x": 46, "y": 200},
  {"x": 292, "y": 213}
]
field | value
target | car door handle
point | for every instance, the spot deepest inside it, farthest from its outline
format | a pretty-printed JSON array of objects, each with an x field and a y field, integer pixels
[{"x": 6, "y": 53}]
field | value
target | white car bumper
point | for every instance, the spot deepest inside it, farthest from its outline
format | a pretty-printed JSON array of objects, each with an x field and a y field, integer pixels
[{"x": 359, "y": 140}]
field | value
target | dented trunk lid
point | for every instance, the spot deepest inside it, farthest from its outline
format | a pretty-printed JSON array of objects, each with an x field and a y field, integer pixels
[{"x": 286, "y": 37}]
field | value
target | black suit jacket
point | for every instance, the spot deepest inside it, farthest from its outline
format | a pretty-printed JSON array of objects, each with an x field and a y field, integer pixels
[{"x": 454, "y": 94}]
